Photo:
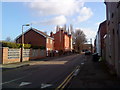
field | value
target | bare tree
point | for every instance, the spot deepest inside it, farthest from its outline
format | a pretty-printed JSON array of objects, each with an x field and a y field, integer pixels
[
  {"x": 79, "y": 38},
  {"x": 8, "y": 39}
]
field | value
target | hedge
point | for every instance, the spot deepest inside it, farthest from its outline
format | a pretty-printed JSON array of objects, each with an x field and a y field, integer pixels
[
  {"x": 14, "y": 45},
  {"x": 17, "y": 45},
  {"x": 38, "y": 47}
]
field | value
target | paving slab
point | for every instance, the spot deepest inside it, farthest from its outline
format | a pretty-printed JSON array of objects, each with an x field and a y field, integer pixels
[{"x": 94, "y": 75}]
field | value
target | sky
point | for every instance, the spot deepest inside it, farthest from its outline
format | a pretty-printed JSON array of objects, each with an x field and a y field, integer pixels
[{"x": 46, "y": 14}]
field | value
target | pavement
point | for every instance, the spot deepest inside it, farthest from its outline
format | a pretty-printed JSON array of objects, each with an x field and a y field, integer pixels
[
  {"x": 94, "y": 75},
  {"x": 6, "y": 67}
]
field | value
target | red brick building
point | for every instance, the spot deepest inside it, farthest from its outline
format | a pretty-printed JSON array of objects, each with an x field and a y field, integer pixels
[
  {"x": 87, "y": 47},
  {"x": 99, "y": 43},
  {"x": 37, "y": 38},
  {"x": 63, "y": 40}
]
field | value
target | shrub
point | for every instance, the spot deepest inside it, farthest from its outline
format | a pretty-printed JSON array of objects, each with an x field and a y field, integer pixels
[
  {"x": 17, "y": 45},
  {"x": 27, "y": 46},
  {"x": 14, "y": 45},
  {"x": 38, "y": 47}
]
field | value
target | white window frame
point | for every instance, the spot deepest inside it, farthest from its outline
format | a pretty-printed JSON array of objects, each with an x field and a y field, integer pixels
[
  {"x": 51, "y": 41},
  {"x": 47, "y": 40}
]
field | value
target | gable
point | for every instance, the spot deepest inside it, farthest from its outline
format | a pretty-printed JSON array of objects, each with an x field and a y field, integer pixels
[{"x": 36, "y": 31}]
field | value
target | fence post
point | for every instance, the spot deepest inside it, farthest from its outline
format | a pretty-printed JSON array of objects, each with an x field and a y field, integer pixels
[
  {"x": 1, "y": 55},
  {"x": 5, "y": 55},
  {"x": 21, "y": 54}
]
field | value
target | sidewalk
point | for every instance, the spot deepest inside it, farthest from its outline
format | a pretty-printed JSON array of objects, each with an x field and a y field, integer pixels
[
  {"x": 5, "y": 67},
  {"x": 94, "y": 75}
]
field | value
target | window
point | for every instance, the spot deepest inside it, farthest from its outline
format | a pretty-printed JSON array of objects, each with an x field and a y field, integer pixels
[
  {"x": 47, "y": 40},
  {"x": 50, "y": 41}
]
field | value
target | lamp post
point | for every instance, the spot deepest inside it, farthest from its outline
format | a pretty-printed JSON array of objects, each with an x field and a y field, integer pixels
[{"x": 23, "y": 42}]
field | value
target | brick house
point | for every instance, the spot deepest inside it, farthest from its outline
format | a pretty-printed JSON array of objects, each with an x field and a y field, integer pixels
[
  {"x": 102, "y": 31},
  {"x": 63, "y": 40},
  {"x": 37, "y": 38},
  {"x": 99, "y": 43}
]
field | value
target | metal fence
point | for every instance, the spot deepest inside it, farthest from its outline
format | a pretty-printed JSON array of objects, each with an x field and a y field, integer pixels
[
  {"x": 26, "y": 53},
  {"x": 16, "y": 53},
  {"x": 13, "y": 53},
  {"x": 42, "y": 52},
  {"x": 34, "y": 52}
]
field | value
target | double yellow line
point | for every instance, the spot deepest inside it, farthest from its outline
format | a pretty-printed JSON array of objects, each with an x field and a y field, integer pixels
[{"x": 66, "y": 81}]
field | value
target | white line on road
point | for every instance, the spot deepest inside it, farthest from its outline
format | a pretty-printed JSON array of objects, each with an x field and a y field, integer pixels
[
  {"x": 76, "y": 72},
  {"x": 24, "y": 83},
  {"x": 14, "y": 80},
  {"x": 45, "y": 85}
]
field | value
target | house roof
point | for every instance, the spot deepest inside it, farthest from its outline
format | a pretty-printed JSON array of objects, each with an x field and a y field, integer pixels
[
  {"x": 37, "y": 31},
  {"x": 40, "y": 32}
]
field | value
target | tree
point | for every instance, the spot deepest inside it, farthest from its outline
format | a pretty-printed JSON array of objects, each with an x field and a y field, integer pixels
[
  {"x": 8, "y": 39},
  {"x": 79, "y": 38}
]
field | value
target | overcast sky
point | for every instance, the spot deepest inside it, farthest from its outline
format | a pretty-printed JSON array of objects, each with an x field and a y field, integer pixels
[{"x": 46, "y": 14}]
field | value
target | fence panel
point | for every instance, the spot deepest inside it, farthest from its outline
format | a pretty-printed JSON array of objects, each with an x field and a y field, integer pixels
[
  {"x": 26, "y": 53},
  {"x": 42, "y": 53},
  {"x": 13, "y": 53},
  {"x": 34, "y": 52}
]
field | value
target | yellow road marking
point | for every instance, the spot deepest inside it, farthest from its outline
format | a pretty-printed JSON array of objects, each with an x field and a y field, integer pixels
[{"x": 69, "y": 77}]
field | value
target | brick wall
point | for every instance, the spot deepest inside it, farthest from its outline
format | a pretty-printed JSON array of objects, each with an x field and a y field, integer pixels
[
  {"x": 62, "y": 41},
  {"x": 5, "y": 59},
  {"x": 33, "y": 38},
  {"x": 0, "y": 55},
  {"x": 66, "y": 42},
  {"x": 49, "y": 44}
]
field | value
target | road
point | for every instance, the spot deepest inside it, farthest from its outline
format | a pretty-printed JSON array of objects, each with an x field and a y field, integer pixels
[{"x": 41, "y": 74}]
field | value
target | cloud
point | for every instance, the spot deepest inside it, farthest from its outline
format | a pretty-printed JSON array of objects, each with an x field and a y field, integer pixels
[
  {"x": 71, "y": 10},
  {"x": 56, "y": 7},
  {"x": 55, "y": 0},
  {"x": 90, "y": 33},
  {"x": 58, "y": 20},
  {"x": 85, "y": 14}
]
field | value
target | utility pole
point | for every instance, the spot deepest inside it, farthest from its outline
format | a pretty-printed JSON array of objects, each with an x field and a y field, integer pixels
[
  {"x": 22, "y": 50},
  {"x": 91, "y": 45}
]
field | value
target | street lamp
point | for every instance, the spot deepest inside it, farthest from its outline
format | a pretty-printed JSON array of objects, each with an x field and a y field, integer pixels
[{"x": 23, "y": 41}]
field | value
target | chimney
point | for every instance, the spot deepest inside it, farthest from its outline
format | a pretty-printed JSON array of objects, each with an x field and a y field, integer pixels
[
  {"x": 65, "y": 27},
  {"x": 57, "y": 28},
  {"x": 51, "y": 34},
  {"x": 71, "y": 28},
  {"x": 68, "y": 31}
]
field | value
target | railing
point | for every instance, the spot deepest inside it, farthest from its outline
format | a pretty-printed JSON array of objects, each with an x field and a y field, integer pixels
[
  {"x": 42, "y": 53},
  {"x": 13, "y": 53},
  {"x": 26, "y": 53},
  {"x": 10, "y": 55},
  {"x": 34, "y": 52}
]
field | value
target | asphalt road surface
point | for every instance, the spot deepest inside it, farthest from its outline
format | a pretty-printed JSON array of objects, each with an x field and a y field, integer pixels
[{"x": 42, "y": 74}]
